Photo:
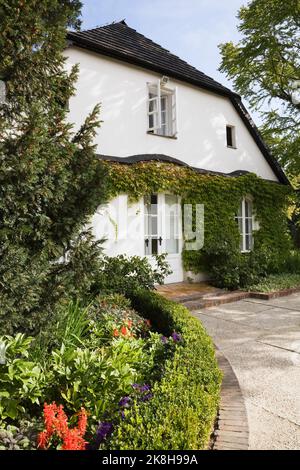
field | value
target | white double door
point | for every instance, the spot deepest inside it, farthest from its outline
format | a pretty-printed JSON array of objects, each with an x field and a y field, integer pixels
[{"x": 163, "y": 231}]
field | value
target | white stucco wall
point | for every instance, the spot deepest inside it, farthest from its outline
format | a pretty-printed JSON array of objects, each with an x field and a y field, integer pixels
[{"x": 202, "y": 118}]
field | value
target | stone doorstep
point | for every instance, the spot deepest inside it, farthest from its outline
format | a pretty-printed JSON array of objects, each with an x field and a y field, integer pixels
[
  {"x": 217, "y": 297},
  {"x": 214, "y": 301}
]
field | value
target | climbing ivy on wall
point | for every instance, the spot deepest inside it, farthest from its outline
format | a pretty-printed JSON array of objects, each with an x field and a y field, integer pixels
[{"x": 221, "y": 196}]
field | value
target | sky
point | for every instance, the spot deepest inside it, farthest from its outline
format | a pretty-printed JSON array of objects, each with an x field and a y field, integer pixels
[{"x": 192, "y": 29}]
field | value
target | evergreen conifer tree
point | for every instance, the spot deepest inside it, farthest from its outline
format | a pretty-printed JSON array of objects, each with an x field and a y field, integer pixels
[{"x": 50, "y": 179}]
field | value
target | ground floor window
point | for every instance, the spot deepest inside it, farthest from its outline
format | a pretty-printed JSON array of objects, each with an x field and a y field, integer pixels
[{"x": 244, "y": 219}]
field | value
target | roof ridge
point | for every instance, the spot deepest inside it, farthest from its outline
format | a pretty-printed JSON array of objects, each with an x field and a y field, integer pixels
[{"x": 123, "y": 22}]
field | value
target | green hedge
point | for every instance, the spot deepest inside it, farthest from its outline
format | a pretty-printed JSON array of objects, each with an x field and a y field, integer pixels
[{"x": 181, "y": 414}]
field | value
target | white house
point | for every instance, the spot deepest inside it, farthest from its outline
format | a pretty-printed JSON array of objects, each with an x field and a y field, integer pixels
[{"x": 155, "y": 106}]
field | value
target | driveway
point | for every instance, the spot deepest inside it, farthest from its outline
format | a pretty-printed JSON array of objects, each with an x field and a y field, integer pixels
[{"x": 261, "y": 340}]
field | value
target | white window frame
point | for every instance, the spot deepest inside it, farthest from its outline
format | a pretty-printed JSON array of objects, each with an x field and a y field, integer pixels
[
  {"x": 241, "y": 215},
  {"x": 233, "y": 136},
  {"x": 157, "y": 92}
]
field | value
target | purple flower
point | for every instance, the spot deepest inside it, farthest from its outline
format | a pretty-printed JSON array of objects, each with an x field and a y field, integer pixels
[
  {"x": 122, "y": 415},
  {"x": 146, "y": 397},
  {"x": 164, "y": 339},
  {"x": 124, "y": 402},
  {"x": 141, "y": 388},
  {"x": 104, "y": 429},
  {"x": 176, "y": 337}
]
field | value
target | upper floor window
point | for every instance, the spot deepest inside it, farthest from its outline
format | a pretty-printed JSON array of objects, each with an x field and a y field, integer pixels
[
  {"x": 2, "y": 92},
  {"x": 162, "y": 110},
  {"x": 230, "y": 137},
  {"x": 244, "y": 219}
]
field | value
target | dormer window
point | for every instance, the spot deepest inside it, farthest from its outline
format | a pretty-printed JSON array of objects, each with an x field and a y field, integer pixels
[
  {"x": 162, "y": 112},
  {"x": 230, "y": 137},
  {"x": 2, "y": 92}
]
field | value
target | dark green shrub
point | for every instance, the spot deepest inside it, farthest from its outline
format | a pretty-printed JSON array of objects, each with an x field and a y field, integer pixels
[
  {"x": 233, "y": 270},
  {"x": 184, "y": 404},
  {"x": 291, "y": 263},
  {"x": 124, "y": 275}
]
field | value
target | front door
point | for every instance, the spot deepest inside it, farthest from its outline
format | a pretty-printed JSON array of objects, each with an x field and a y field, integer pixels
[{"x": 163, "y": 232}]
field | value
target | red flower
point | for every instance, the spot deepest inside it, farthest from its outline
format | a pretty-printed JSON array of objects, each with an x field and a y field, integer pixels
[
  {"x": 56, "y": 423},
  {"x": 73, "y": 440},
  {"x": 124, "y": 330},
  {"x": 129, "y": 323},
  {"x": 115, "y": 333},
  {"x": 82, "y": 422},
  {"x": 42, "y": 440},
  {"x": 148, "y": 323}
]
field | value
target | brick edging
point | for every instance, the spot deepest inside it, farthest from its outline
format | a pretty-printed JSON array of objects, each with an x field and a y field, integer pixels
[
  {"x": 232, "y": 432},
  {"x": 274, "y": 294}
]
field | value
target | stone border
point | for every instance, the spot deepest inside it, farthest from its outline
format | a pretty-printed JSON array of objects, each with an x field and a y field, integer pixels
[
  {"x": 232, "y": 431},
  {"x": 234, "y": 296},
  {"x": 274, "y": 294}
]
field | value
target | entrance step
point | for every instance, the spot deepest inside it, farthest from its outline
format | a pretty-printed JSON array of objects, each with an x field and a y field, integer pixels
[{"x": 214, "y": 300}]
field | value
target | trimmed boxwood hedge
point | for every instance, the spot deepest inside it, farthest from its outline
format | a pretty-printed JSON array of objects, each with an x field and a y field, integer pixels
[{"x": 181, "y": 414}]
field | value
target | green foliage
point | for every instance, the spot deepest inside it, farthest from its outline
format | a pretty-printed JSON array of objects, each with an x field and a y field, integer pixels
[
  {"x": 184, "y": 405},
  {"x": 22, "y": 380},
  {"x": 231, "y": 269},
  {"x": 291, "y": 263},
  {"x": 264, "y": 66},
  {"x": 81, "y": 363},
  {"x": 50, "y": 179},
  {"x": 276, "y": 282},
  {"x": 123, "y": 275},
  {"x": 221, "y": 197},
  {"x": 21, "y": 437}
]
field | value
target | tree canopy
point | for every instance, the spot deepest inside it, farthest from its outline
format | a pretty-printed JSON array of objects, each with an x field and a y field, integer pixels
[{"x": 265, "y": 68}]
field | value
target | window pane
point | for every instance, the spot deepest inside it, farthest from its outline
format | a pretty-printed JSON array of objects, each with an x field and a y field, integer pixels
[
  {"x": 151, "y": 121},
  {"x": 248, "y": 208},
  {"x": 241, "y": 243},
  {"x": 154, "y": 246},
  {"x": 163, "y": 102},
  {"x": 248, "y": 225},
  {"x": 248, "y": 242},
  {"x": 229, "y": 136},
  {"x": 154, "y": 225}
]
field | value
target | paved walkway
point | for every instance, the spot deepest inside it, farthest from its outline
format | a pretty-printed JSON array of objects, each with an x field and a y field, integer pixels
[{"x": 261, "y": 340}]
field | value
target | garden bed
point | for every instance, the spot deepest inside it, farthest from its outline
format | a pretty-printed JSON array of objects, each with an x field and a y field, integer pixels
[
  {"x": 276, "y": 282},
  {"x": 105, "y": 371}
]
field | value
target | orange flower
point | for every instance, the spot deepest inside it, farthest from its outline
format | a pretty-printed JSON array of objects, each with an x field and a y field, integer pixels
[
  {"x": 73, "y": 440},
  {"x": 129, "y": 323},
  {"x": 82, "y": 422},
  {"x": 42, "y": 440},
  {"x": 115, "y": 333},
  {"x": 124, "y": 331},
  {"x": 56, "y": 423}
]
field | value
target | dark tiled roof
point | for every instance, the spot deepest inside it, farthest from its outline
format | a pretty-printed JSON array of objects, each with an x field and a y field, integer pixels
[
  {"x": 121, "y": 42},
  {"x": 158, "y": 157}
]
